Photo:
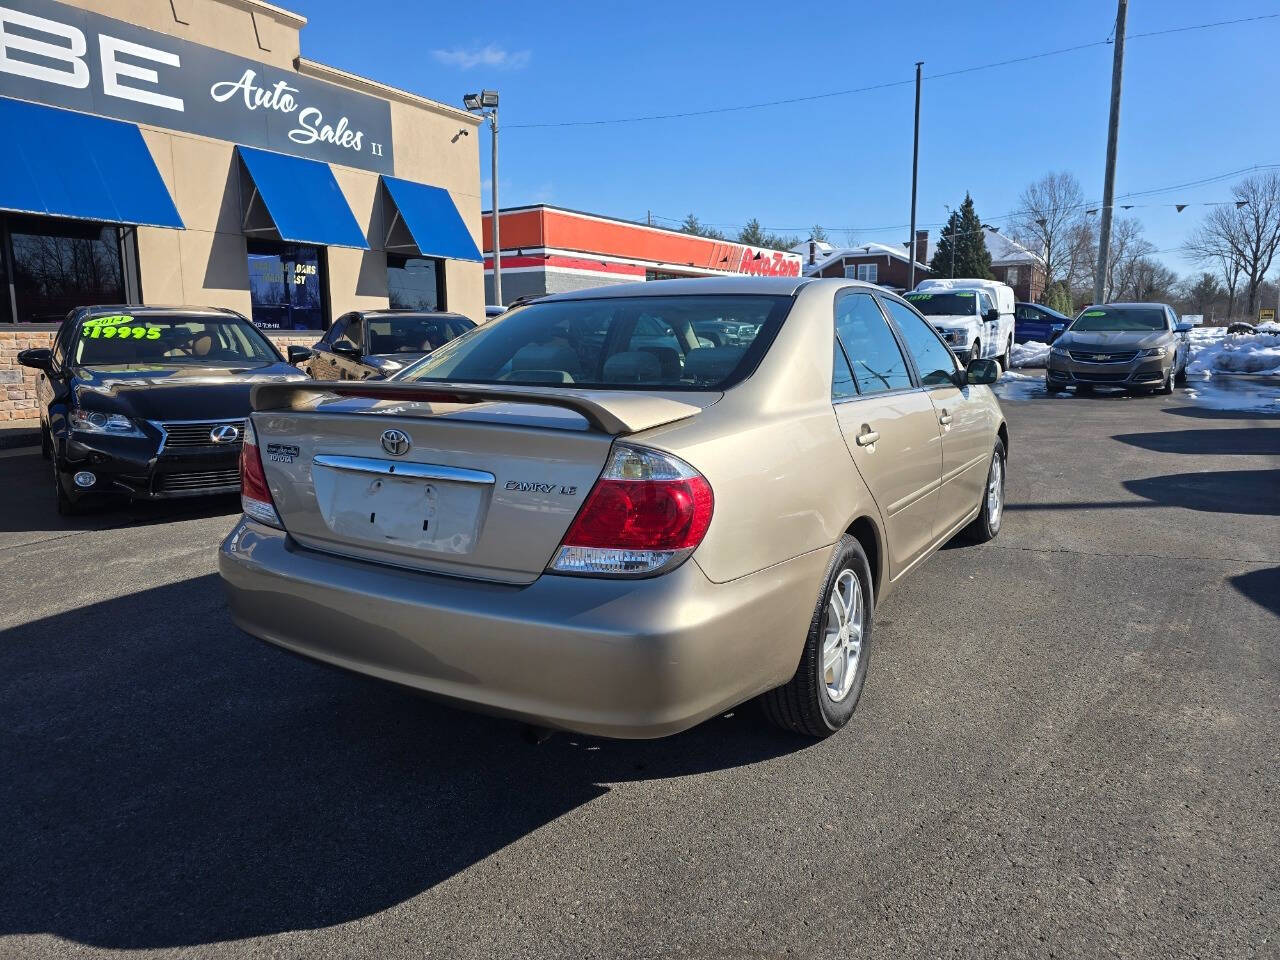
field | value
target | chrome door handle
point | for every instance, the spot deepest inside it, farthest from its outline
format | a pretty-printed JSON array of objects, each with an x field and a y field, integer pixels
[
  {"x": 945, "y": 419},
  {"x": 867, "y": 437}
]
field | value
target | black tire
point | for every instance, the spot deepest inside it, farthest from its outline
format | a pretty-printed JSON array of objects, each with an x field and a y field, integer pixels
[
  {"x": 1166, "y": 388},
  {"x": 66, "y": 506},
  {"x": 804, "y": 705},
  {"x": 985, "y": 527},
  {"x": 46, "y": 444},
  {"x": 1181, "y": 377},
  {"x": 1004, "y": 358},
  {"x": 1050, "y": 387}
]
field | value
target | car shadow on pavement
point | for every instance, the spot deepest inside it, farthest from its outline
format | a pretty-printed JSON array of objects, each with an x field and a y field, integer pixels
[
  {"x": 1224, "y": 441},
  {"x": 168, "y": 781},
  {"x": 1211, "y": 413},
  {"x": 1253, "y": 492},
  {"x": 1262, "y": 587}
]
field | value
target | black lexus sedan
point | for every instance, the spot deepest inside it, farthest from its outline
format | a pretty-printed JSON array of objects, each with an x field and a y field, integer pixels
[
  {"x": 374, "y": 345},
  {"x": 148, "y": 402}
]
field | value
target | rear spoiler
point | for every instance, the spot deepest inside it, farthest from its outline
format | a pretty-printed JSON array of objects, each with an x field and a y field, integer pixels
[{"x": 607, "y": 411}]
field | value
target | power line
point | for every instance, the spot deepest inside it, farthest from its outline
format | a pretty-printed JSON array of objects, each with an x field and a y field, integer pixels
[
  {"x": 1087, "y": 205},
  {"x": 884, "y": 85}
]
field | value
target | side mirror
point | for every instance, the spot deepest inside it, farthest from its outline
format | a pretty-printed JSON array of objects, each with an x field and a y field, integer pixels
[
  {"x": 992, "y": 316},
  {"x": 1185, "y": 327},
  {"x": 1056, "y": 330},
  {"x": 37, "y": 358},
  {"x": 299, "y": 355},
  {"x": 344, "y": 349},
  {"x": 980, "y": 372}
]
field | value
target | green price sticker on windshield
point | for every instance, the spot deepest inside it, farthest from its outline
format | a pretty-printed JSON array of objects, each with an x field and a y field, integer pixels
[
  {"x": 1095, "y": 313},
  {"x": 964, "y": 293},
  {"x": 919, "y": 296},
  {"x": 119, "y": 327}
]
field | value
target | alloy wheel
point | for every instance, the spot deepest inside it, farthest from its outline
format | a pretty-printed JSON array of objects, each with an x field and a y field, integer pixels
[
  {"x": 995, "y": 493},
  {"x": 842, "y": 638}
]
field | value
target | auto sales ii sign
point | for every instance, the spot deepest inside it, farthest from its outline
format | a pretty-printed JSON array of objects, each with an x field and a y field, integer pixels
[{"x": 60, "y": 55}]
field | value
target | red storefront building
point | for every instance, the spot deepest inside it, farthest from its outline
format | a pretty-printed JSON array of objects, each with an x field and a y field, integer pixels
[{"x": 551, "y": 250}]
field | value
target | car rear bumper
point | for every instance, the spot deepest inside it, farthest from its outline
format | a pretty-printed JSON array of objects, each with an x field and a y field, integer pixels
[
  {"x": 618, "y": 658},
  {"x": 1142, "y": 372}
]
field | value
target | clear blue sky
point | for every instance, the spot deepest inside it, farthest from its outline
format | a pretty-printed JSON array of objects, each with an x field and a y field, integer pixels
[{"x": 1196, "y": 104}]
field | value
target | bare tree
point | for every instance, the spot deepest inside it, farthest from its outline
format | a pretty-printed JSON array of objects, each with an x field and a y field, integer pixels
[
  {"x": 1128, "y": 249},
  {"x": 1242, "y": 239},
  {"x": 1048, "y": 220}
]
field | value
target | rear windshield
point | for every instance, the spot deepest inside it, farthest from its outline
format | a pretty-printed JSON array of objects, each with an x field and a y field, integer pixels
[
  {"x": 615, "y": 343},
  {"x": 168, "y": 339},
  {"x": 413, "y": 334},
  {"x": 1102, "y": 319},
  {"x": 963, "y": 303}
]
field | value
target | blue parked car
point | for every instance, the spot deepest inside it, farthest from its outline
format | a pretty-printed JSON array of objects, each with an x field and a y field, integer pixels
[{"x": 1034, "y": 321}]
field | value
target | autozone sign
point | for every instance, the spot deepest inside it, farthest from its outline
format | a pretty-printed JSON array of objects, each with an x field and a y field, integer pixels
[
  {"x": 67, "y": 57},
  {"x": 769, "y": 263}
]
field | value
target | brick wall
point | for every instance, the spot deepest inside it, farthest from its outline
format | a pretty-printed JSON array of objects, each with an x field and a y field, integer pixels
[{"x": 18, "y": 400}]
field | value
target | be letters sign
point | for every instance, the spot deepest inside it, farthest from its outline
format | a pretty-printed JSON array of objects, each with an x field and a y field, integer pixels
[{"x": 66, "y": 57}]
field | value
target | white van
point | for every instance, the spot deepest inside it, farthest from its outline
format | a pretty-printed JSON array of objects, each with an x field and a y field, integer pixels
[{"x": 975, "y": 317}]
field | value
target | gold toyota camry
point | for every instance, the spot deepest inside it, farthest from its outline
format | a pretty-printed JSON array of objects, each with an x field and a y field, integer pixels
[{"x": 622, "y": 510}]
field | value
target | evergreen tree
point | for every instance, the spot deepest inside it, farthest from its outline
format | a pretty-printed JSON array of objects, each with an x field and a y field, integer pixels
[
  {"x": 817, "y": 233},
  {"x": 753, "y": 234},
  {"x": 1058, "y": 297},
  {"x": 963, "y": 233},
  {"x": 694, "y": 226}
]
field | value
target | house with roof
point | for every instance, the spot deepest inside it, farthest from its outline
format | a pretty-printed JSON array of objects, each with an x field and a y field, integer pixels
[
  {"x": 880, "y": 263},
  {"x": 1014, "y": 264}
]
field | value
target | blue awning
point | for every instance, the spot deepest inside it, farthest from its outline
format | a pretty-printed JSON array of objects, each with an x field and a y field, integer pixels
[
  {"x": 296, "y": 200},
  {"x": 66, "y": 164},
  {"x": 423, "y": 221}
]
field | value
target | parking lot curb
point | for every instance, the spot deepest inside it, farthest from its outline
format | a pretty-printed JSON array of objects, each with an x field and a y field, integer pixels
[{"x": 25, "y": 435}]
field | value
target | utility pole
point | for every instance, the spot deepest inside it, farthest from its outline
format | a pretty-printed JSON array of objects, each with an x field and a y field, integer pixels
[
  {"x": 915, "y": 172},
  {"x": 485, "y": 103},
  {"x": 1113, "y": 132},
  {"x": 497, "y": 244}
]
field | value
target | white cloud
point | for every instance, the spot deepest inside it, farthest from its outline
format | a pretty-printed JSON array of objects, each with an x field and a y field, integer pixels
[{"x": 491, "y": 56}]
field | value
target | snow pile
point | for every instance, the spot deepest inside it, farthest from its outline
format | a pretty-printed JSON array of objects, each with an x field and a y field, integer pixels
[
  {"x": 1033, "y": 353},
  {"x": 1235, "y": 353},
  {"x": 1019, "y": 386}
]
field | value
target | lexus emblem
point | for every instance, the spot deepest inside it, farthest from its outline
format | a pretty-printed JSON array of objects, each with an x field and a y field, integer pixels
[
  {"x": 224, "y": 433},
  {"x": 1100, "y": 356},
  {"x": 396, "y": 442}
]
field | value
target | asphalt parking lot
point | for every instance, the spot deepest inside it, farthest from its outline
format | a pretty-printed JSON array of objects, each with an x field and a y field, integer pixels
[{"x": 1069, "y": 745}]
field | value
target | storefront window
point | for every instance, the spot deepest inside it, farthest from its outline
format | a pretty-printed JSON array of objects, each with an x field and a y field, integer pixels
[
  {"x": 415, "y": 283},
  {"x": 58, "y": 265},
  {"x": 286, "y": 285}
]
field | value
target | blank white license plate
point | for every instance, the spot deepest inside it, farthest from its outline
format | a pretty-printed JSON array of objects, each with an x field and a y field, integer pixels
[{"x": 395, "y": 511}]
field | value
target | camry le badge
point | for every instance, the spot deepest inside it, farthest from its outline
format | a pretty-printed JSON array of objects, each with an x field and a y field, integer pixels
[
  {"x": 396, "y": 442},
  {"x": 224, "y": 433}
]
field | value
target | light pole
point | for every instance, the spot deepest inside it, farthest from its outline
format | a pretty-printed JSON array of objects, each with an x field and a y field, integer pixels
[
  {"x": 1113, "y": 134},
  {"x": 915, "y": 170},
  {"x": 485, "y": 103}
]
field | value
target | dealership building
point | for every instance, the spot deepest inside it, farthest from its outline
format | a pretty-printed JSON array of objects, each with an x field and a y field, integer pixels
[
  {"x": 186, "y": 152},
  {"x": 548, "y": 249}
]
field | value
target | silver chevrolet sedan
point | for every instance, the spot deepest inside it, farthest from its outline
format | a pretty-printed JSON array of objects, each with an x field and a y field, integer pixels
[{"x": 622, "y": 510}]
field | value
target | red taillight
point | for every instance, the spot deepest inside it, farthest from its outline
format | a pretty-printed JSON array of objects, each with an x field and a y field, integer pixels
[
  {"x": 646, "y": 513},
  {"x": 255, "y": 495}
]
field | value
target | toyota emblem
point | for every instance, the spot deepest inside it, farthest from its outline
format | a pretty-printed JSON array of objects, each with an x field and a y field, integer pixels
[
  {"x": 396, "y": 442},
  {"x": 225, "y": 433}
]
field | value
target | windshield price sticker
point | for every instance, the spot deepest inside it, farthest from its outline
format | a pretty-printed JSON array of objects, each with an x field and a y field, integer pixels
[
  {"x": 1095, "y": 313},
  {"x": 120, "y": 328},
  {"x": 964, "y": 293},
  {"x": 920, "y": 296}
]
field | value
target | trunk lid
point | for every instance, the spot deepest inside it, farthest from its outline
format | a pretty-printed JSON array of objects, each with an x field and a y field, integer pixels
[{"x": 468, "y": 481}]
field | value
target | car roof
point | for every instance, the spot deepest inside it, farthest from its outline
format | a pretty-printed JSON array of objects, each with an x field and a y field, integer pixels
[
  {"x": 423, "y": 314},
  {"x": 1127, "y": 304},
  {"x": 140, "y": 310},
  {"x": 688, "y": 286}
]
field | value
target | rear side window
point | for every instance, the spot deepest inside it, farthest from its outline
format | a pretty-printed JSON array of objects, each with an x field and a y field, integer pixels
[
  {"x": 934, "y": 362},
  {"x": 872, "y": 349},
  {"x": 691, "y": 342}
]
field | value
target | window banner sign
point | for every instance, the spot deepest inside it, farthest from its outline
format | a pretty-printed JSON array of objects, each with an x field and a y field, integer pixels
[{"x": 67, "y": 57}]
